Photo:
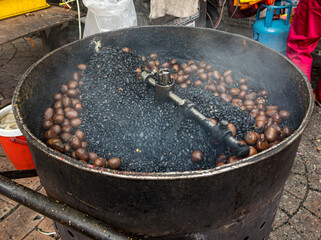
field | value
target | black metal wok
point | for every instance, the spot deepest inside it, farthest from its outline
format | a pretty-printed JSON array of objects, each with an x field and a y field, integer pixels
[{"x": 236, "y": 201}]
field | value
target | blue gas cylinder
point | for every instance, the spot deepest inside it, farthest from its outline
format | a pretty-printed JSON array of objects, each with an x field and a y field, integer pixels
[{"x": 273, "y": 32}]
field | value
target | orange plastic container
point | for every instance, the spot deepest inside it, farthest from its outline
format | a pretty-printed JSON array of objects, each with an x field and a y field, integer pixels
[{"x": 15, "y": 146}]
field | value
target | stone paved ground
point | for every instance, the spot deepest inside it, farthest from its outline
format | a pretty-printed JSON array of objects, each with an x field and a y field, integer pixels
[{"x": 298, "y": 216}]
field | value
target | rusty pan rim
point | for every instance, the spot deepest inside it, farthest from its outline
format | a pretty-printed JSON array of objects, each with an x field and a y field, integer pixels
[{"x": 32, "y": 139}]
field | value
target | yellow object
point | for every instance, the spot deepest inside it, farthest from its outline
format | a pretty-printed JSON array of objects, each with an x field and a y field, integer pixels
[
  {"x": 66, "y": 2},
  {"x": 245, "y": 4},
  {"x": 10, "y": 8},
  {"x": 249, "y": 1}
]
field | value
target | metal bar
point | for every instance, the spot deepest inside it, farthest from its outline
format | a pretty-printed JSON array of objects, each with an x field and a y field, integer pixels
[
  {"x": 176, "y": 98},
  {"x": 58, "y": 212},
  {"x": 149, "y": 78},
  {"x": 16, "y": 174},
  {"x": 217, "y": 132},
  {"x": 203, "y": 10},
  {"x": 220, "y": 133}
]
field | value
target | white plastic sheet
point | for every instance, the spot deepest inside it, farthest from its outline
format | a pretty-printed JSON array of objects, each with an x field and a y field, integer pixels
[{"x": 107, "y": 15}]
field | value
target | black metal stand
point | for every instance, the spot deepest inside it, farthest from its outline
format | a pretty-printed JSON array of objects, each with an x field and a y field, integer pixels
[{"x": 59, "y": 212}]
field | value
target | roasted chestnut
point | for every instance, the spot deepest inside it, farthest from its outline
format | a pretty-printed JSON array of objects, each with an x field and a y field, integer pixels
[
  {"x": 75, "y": 122},
  {"x": 272, "y": 107},
  {"x": 234, "y": 91},
  {"x": 84, "y": 144},
  {"x": 92, "y": 156},
  {"x": 57, "y": 96},
  {"x": 250, "y": 138},
  {"x": 114, "y": 163},
  {"x": 58, "y": 118},
  {"x": 188, "y": 70},
  {"x": 48, "y": 114},
  {"x": 82, "y": 154},
  {"x": 75, "y": 142},
  {"x": 188, "y": 82},
  {"x": 270, "y": 112},
  {"x": 251, "y": 96},
  {"x": 72, "y": 84},
  {"x": 244, "y": 87},
  {"x": 221, "y": 89},
  {"x": 183, "y": 85},
  {"x": 284, "y": 114},
  {"x": 287, "y": 131},
  {"x": 217, "y": 75},
  {"x": 71, "y": 114},
  {"x": 202, "y": 64},
  {"x": 165, "y": 65},
  {"x": 254, "y": 113},
  {"x": 197, "y": 83},
  {"x": 213, "y": 120},
  {"x": 72, "y": 93},
  {"x": 64, "y": 88},
  {"x": 175, "y": 67},
  {"x": 225, "y": 97},
  {"x": 271, "y": 134},
  {"x": 276, "y": 117},
  {"x": 242, "y": 81},
  {"x": 253, "y": 151},
  {"x": 78, "y": 107},
  {"x": 262, "y": 144},
  {"x": 210, "y": 88},
  {"x": 82, "y": 67},
  {"x": 67, "y": 128},
  {"x": 80, "y": 134},
  {"x": 66, "y": 136},
  {"x": 209, "y": 68},
  {"x": 263, "y": 93},
  {"x": 221, "y": 158},
  {"x": 203, "y": 76},
  {"x": 173, "y": 61},
  {"x": 227, "y": 72},
  {"x": 231, "y": 127},
  {"x": 241, "y": 95},
  {"x": 76, "y": 76},
  {"x": 219, "y": 164},
  {"x": 100, "y": 162},
  {"x": 153, "y": 56},
  {"x": 180, "y": 79},
  {"x": 126, "y": 49},
  {"x": 50, "y": 134},
  {"x": 229, "y": 79},
  {"x": 46, "y": 124},
  {"x": 50, "y": 142},
  {"x": 197, "y": 156},
  {"x": 56, "y": 128},
  {"x": 232, "y": 159}
]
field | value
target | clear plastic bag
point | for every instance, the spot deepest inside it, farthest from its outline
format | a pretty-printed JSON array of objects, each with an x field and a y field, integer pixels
[{"x": 107, "y": 15}]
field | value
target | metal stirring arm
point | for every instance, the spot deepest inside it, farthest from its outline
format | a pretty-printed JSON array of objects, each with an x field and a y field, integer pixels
[{"x": 164, "y": 88}]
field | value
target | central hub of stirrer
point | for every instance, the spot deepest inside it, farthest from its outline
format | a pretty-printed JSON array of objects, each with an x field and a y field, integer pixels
[{"x": 164, "y": 89}]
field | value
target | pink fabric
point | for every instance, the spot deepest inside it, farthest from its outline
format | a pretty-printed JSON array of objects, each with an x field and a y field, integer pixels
[{"x": 304, "y": 35}]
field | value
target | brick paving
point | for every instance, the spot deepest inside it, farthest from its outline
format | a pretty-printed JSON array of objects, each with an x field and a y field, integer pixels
[{"x": 298, "y": 216}]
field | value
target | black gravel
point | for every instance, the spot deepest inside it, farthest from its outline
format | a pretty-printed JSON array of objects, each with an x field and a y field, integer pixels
[{"x": 121, "y": 118}]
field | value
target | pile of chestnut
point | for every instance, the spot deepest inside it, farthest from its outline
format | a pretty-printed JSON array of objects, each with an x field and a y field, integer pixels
[
  {"x": 61, "y": 123},
  {"x": 268, "y": 131}
]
